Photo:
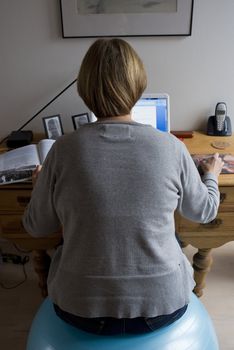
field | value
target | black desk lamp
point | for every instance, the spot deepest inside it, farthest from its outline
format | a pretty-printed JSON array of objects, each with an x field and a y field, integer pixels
[{"x": 20, "y": 138}]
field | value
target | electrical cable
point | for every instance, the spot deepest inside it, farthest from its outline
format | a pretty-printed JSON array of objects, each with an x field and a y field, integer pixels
[
  {"x": 21, "y": 250},
  {"x": 24, "y": 261}
]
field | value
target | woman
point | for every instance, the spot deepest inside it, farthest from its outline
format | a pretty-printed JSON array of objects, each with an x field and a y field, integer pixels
[{"x": 113, "y": 186}]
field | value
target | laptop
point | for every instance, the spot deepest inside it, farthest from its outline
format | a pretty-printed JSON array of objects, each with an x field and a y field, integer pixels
[{"x": 153, "y": 109}]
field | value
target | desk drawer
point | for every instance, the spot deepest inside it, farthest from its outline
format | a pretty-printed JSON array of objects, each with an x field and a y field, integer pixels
[
  {"x": 11, "y": 224},
  {"x": 11, "y": 200},
  {"x": 226, "y": 198},
  {"x": 224, "y": 222}
]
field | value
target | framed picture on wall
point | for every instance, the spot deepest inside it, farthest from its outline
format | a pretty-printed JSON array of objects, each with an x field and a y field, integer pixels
[
  {"x": 80, "y": 119},
  {"x": 53, "y": 126},
  {"x": 97, "y": 18}
]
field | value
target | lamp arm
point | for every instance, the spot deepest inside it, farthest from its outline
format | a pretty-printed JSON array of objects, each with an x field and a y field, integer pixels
[{"x": 42, "y": 109}]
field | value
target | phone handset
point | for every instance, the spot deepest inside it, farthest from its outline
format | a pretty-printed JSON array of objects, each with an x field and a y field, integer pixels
[{"x": 220, "y": 116}]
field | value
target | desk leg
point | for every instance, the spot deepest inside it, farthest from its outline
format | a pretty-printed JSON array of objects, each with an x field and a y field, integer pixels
[
  {"x": 41, "y": 262},
  {"x": 202, "y": 262}
]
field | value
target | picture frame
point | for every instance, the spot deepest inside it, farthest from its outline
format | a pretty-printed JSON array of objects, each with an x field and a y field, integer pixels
[
  {"x": 112, "y": 18},
  {"x": 53, "y": 126},
  {"x": 80, "y": 119}
]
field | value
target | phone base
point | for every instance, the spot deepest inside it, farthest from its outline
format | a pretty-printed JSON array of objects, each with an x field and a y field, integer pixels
[{"x": 212, "y": 128}]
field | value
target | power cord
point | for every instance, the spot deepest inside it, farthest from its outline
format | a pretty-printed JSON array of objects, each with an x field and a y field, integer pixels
[
  {"x": 21, "y": 250},
  {"x": 15, "y": 259}
]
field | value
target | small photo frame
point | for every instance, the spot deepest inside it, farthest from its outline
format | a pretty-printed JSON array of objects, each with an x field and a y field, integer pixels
[
  {"x": 80, "y": 119},
  {"x": 53, "y": 126}
]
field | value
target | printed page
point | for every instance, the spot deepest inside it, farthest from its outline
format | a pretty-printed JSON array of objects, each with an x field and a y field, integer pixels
[
  {"x": 18, "y": 164},
  {"x": 43, "y": 148}
]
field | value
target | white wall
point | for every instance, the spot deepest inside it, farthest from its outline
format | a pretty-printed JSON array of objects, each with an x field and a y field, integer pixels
[{"x": 36, "y": 63}]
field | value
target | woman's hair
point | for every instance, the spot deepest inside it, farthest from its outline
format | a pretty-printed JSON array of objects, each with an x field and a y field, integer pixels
[{"x": 112, "y": 78}]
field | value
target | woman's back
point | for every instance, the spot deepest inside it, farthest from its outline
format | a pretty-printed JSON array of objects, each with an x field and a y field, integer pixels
[{"x": 116, "y": 189}]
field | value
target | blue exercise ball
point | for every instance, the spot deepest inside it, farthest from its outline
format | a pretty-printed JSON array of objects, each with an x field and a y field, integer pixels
[{"x": 193, "y": 331}]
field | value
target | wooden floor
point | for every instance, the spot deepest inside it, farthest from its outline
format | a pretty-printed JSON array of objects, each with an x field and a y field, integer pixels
[{"x": 17, "y": 306}]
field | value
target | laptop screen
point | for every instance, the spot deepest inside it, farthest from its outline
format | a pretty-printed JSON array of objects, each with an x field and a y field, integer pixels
[{"x": 153, "y": 109}]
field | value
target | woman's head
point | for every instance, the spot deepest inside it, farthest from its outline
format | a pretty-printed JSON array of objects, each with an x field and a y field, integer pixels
[{"x": 112, "y": 78}]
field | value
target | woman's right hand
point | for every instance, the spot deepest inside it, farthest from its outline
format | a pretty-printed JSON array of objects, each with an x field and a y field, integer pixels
[{"x": 212, "y": 165}]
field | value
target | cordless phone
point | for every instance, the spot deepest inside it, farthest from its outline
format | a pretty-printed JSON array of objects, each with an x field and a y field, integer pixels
[{"x": 219, "y": 124}]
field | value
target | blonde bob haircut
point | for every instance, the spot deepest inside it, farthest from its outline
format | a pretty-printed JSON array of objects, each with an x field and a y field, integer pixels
[{"x": 112, "y": 78}]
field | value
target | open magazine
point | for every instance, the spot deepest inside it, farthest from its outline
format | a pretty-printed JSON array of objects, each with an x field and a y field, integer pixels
[
  {"x": 18, "y": 165},
  {"x": 228, "y": 160}
]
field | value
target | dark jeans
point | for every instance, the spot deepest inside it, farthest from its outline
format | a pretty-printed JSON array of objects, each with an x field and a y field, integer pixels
[{"x": 111, "y": 326}]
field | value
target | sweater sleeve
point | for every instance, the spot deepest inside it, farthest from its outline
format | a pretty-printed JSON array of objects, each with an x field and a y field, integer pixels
[
  {"x": 199, "y": 197},
  {"x": 40, "y": 218}
]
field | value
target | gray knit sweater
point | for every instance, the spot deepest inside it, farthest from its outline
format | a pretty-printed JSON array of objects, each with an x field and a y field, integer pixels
[{"x": 113, "y": 187}]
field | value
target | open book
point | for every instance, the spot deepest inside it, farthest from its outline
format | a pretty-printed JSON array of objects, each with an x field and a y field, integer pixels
[
  {"x": 228, "y": 160},
  {"x": 17, "y": 165}
]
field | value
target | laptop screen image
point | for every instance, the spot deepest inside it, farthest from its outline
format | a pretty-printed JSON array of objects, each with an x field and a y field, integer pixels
[{"x": 153, "y": 109}]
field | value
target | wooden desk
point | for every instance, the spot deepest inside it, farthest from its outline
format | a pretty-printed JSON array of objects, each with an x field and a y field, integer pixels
[
  {"x": 204, "y": 237},
  {"x": 220, "y": 230}
]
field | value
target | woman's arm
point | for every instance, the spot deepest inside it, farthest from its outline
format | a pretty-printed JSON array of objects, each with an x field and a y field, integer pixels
[
  {"x": 199, "y": 197},
  {"x": 40, "y": 217}
]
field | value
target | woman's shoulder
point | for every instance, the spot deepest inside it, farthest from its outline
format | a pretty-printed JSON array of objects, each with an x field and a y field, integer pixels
[
  {"x": 69, "y": 138},
  {"x": 162, "y": 137}
]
